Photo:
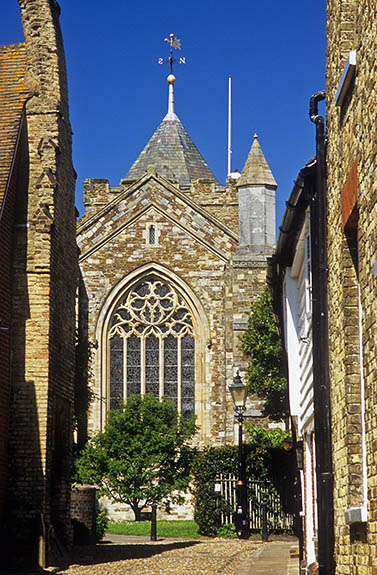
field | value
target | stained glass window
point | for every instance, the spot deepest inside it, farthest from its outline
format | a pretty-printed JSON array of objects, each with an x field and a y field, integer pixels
[
  {"x": 152, "y": 327},
  {"x": 133, "y": 374},
  {"x": 116, "y": 371},
  {"x": 152, "y": 365},
  {"x": 171, "y": 368}
]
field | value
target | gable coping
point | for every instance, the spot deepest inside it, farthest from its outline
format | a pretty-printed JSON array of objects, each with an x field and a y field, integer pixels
[
  {"x": 142, "y": 212},
  {"x": 162, "y": 182}
]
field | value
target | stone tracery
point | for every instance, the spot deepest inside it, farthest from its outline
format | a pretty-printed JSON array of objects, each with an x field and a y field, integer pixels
[{"x": 152, "y": 347}]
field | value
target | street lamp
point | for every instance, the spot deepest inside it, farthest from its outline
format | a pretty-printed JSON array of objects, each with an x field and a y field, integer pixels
[
  {"x": 298, "y": 446},
  {"x": 241, "y": 517}
]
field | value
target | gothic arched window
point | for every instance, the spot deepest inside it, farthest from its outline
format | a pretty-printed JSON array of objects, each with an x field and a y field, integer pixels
[{"x": 152, "y": 347}]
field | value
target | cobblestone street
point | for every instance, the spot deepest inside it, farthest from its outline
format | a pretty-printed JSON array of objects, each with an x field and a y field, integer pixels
[{"x": 164, "y": 557}]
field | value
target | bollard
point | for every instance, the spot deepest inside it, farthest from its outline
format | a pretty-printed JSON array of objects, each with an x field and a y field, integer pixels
[
  {"x": 264, "y": 522},
  {"x": 154, "y": 522}
]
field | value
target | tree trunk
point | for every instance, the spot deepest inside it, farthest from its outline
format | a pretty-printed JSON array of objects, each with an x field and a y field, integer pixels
[{"x": 137, "y": 510}]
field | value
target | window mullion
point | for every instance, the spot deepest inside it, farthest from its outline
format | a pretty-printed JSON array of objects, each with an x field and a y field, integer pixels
[
  {"x": 162, "y": 367},
  {"x": 179, "y": 380},
  {"x": 125, "y": 369},
  {"x": 142, "y": 366}
]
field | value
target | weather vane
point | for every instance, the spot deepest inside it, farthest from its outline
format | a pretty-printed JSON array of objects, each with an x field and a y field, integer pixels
[{"x": 174, "y": 43}]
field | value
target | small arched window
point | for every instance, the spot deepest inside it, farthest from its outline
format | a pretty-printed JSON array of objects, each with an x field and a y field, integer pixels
[
  {"x": 152, "y": 346},
  {"x": 152, "y": 235}
]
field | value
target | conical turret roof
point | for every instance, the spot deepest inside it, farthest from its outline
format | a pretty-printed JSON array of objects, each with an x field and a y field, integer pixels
[
  {"x": 171, "y": 151},
  {"x": 256, "y": 170}
]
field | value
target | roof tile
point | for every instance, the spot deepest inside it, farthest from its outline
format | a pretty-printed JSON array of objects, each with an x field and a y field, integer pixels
[
  {"x": 13, "y": 94},
  {"x": 173, "y": 154}
]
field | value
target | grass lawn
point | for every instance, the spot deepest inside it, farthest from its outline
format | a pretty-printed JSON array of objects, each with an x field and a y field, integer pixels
[{"x": 173, "y": 528}]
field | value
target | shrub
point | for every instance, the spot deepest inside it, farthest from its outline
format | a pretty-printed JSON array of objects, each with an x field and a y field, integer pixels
[
  {"x": 207, "y": 466},
  {"x": 101, "y": 525},
  {"x": 262, "y": 343},
  {"x": 228, "y": 531}
]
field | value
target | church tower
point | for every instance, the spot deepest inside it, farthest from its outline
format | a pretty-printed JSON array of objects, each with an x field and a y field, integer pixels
[{"x": 170, "y": 262}]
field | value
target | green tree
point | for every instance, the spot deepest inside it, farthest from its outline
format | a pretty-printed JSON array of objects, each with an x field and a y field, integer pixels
[
  {"x": 142, "y": 456},
  {"x": 261, "y": 341}
]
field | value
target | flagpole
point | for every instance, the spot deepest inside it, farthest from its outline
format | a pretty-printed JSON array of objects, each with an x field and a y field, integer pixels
[{"x": 229, "y": 125}]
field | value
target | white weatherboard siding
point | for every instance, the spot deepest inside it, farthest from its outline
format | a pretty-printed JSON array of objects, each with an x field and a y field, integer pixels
[{"x": 297, "y": 309}]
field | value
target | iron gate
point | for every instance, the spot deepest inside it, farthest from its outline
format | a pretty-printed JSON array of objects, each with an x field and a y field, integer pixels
[{"x": 259, "y": 493}]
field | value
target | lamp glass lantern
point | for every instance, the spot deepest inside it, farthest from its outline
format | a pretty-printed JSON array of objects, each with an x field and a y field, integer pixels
[
  {"x": 287, "y": 443},
  {"x": 239, "y": 392}
]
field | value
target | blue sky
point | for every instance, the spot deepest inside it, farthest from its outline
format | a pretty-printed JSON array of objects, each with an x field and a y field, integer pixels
[{"x": 274, "y": 51}]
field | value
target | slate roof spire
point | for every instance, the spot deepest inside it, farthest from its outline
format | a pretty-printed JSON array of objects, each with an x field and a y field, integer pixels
[
  {"x": 171, "y": 151},
  {"x": 256, "y": 170}
]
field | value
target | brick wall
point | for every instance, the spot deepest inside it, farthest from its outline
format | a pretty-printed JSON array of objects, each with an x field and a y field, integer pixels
[
  {"x": 6, "y": 252},
  {"x": 352, "y": 132},
  {"x": 83, "y": 513}
]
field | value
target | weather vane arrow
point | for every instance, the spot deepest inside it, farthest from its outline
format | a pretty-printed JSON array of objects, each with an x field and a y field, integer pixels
[{"x": 174, "y": 43}]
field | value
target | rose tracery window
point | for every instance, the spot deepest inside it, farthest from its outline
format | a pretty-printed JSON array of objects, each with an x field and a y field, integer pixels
[{"x": 152, "y": 346}]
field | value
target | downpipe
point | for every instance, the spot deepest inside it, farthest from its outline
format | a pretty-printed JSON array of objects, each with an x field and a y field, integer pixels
[{"x": 321, "y": 384}]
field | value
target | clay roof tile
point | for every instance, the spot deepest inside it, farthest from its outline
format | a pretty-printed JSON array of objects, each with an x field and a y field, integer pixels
[{"x": 13, "y": 94}]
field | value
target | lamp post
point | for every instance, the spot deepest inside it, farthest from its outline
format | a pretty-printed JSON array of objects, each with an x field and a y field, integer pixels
[{"x": 241, "y": 516}]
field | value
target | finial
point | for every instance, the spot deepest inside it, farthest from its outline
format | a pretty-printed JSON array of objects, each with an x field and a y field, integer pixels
[
  {"x": 174, "y": 43},
  {"x": 255, "y": 136},
  {"x": 171, "y": 80}
]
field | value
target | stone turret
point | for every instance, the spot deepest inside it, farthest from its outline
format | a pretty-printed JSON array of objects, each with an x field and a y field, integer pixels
[{"x": 256, "y": 204}]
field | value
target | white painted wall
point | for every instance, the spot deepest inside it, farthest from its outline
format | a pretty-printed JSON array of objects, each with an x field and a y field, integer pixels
[{"x": 298, "y": 321}]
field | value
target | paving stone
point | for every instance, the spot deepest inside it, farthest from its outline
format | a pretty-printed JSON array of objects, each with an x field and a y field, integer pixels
[{"x": 119, "y": 554}]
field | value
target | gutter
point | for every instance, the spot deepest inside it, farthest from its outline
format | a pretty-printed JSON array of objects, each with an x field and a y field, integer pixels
[
  {"x": 289, "y": 232},
  {"x": 320, "y": 334}
]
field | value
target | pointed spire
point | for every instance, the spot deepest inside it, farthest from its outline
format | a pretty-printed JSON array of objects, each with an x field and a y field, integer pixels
[
  {"x": 171, "y": 151},
  {"x": 256, "y": 170}
]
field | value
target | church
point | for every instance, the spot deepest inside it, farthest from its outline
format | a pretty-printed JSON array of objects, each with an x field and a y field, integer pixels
[{"x": 170, "y": 262}]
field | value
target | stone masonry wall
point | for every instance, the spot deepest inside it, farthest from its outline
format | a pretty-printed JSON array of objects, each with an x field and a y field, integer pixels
[
  {"x": 352, "y": 133},
  {"x": 196, "y": 266},
  {"x": 113, "y": 245},
  {"x": 248, "y": 281},
  {"x": 220, "y": 202},
  {"x": 44, "y": 296}
]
